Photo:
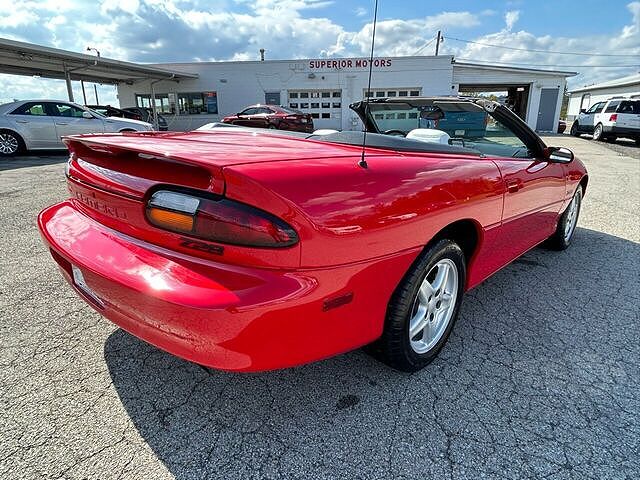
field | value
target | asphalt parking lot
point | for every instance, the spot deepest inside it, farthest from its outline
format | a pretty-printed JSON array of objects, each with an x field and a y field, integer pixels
[{"x": 540, "y": 379}]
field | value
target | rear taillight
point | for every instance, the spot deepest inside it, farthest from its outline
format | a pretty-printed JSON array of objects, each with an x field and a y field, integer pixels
[
  {"x": 613, "y": 118},
  {"x": 218, "y": 220}
]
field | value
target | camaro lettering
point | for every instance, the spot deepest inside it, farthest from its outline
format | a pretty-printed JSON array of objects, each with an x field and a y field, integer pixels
[{"x": 99, "y": 206}]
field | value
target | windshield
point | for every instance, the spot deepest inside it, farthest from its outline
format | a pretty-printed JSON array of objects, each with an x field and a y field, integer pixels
[{"x": 462, "y": 123}]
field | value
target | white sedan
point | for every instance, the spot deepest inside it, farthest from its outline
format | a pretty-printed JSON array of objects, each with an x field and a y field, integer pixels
[{"x": 40, "y": 124}]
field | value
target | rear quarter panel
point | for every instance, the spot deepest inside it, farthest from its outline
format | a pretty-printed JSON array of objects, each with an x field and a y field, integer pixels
[{"x": 345, "y": 213}]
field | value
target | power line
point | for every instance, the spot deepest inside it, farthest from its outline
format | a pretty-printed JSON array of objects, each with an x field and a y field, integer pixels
[
  {"x": 502, "y": 64},
  {"x": 424, "y": 46},
  {"x": 546, "y": 51}
]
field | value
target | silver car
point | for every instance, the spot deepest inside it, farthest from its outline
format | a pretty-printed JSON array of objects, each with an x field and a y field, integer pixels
[{"x": 40, "y": 124}]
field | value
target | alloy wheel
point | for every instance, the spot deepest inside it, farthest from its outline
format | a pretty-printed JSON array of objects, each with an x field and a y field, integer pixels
[
  {"x": 433, "y": 306},
  {"x": 572, "y": 217},
  {"x": 8, "y": 144}
]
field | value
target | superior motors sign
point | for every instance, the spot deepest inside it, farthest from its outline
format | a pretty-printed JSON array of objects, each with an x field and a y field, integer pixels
[{"x": 345, "y": 63}]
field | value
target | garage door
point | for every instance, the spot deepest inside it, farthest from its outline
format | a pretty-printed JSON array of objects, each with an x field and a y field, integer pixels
[{"x": 325, "y": 106}]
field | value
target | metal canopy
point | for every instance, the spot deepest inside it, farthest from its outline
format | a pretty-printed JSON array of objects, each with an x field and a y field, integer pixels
[{"x": 20, "y": 58}]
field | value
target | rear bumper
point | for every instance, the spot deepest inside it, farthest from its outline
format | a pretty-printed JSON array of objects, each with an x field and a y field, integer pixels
[
  {"x": 631, "y": 132},
  {"x": 220, "y": 315}
]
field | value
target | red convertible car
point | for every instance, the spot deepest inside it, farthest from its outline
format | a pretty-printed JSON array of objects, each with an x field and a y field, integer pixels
[{"x": 248, "y": 250}]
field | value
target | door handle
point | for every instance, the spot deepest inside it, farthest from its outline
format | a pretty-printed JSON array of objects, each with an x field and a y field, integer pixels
[
  {"x": 62, "y": 123},
  {"x": 514, "y": 185},
  {"x": 22, "y": 121}
]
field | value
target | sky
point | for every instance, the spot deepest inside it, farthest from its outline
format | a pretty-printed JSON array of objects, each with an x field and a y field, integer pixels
[{"x": 208, "y": 30}]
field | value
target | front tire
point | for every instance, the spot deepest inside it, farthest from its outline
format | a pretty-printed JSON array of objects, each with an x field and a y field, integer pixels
[
  {"x": 561, "y": 238},
  {"x": 598, "y": 133},
  {"x": 10, "y": 143},
  {"x": 424, "y": 308}
]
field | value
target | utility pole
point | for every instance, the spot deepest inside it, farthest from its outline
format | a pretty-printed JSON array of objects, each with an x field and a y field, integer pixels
[{"x": 438, "y": 40}]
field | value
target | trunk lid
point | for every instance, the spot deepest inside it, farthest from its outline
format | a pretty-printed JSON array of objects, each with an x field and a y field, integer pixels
[{"x": 129, "y": 164}]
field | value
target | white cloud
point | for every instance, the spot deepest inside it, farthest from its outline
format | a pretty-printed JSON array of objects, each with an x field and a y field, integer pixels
[
  {"x": 511, "y": 17},
  {"x": 361, "y": 12}
]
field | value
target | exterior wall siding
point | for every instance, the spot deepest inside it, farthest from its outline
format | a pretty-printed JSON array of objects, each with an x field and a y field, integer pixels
[{"x": 238, "y": 84}]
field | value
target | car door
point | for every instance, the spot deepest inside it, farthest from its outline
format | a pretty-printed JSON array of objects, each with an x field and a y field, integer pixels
[
  {"x": 587, "y": 120},
  {"x": 35, "y": 126},
  {"x": 534, "y": 187},
  {"x": 69, "y": 120}
]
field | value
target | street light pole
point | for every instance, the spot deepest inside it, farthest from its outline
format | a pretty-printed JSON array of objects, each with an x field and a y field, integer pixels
[{"x": 438, "y": 40}]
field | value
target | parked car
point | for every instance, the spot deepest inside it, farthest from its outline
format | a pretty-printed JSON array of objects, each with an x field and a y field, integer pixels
[
  {"x": 248, "y": 249},
  {"x": 109, "y": 111},
  {"x": 40, "y": 124},
  {"x": 146, "y": 114},
  {"x": 272, "y": 116},
  {"x": 562, "y": 126},
  {"x": 617, "y": 117}
]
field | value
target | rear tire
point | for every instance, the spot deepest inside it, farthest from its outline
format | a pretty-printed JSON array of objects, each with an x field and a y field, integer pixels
[
  {"x": 561, "y": 238},
  {"x": 11, "y": 143},
  {"x": 574, "y": 129},
  {"x": 598, "y": 133},
  {"x": 427, "y": 301}
]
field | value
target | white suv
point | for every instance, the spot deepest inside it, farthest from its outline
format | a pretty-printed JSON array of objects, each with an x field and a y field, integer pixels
[{"x": 617, "y": 117}]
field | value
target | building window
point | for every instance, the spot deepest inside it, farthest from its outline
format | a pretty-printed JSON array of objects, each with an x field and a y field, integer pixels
[
  {"x": 315, "y": 115},
  {"x": 415, "y": 93},
  {"x": 391, "y": 93},
  {"x": 336, "y": 94},
  {"x": 162, "y": 102},
  {"x": 293, "y": 95},
  {"x": 380, "y": 94},
  {"x": 403, "y": 93},
  {"x": 315, "y": 105},
  {"x": 326, "y": 94},
  {"x": 293, "y": 105},
  {"x": 326, "y": 115},
  {"x": 413, "y": 115},
  {"x": 326, "y": 105},
  {"x": 336, "y": 105},
  {"x": 304, "y": 94},
  {"x": 304, "y": 105}
]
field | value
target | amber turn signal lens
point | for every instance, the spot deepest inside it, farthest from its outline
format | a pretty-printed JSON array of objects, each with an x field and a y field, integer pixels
[{"x": 171, "y": 220}]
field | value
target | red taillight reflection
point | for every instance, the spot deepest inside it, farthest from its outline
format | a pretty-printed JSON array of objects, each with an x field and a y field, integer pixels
[{"x": 613, "y": 118}]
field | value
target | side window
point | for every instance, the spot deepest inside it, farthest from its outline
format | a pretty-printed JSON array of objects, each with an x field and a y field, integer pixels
[
  {"x": 30, "y": 109},
  {"x": 596, "y": 108},
  {"x": 268, "y": 111},
  {"x": 66, "y": 110},
  {"x": 497, "y": 140},
  {"x": 612, "y": 106},
  {"x": 249, "y": 111}
]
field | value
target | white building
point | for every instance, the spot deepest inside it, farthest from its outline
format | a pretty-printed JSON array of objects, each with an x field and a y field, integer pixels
[
  {"x": 582, "y": 98},
  {"x": 325, "y": 88}
]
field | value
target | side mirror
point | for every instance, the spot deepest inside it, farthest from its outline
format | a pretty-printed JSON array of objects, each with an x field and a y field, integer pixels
[
  {"x": 559, "y": 154},
  {"x": 86, "y": 114},
  {"x": 583, "y": 110}
]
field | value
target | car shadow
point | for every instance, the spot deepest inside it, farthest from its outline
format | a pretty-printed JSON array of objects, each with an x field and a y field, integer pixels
[
  {"x": 48, "y": 157},
  {"x": 523, "y": 342}
]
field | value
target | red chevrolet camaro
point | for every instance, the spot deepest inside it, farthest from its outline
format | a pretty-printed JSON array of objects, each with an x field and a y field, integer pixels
[{"x": 247, "y": 250}]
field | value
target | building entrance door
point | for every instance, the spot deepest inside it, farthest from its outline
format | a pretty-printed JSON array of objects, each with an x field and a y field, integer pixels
[{"x": 547, "y": 109}]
